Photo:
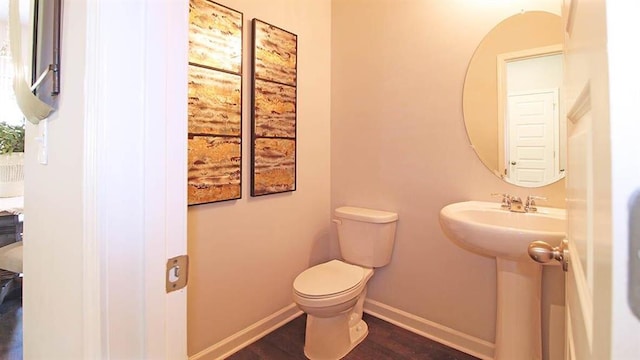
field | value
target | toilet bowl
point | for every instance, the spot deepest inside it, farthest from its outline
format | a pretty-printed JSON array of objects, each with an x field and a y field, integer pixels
[{"x": 333, "y": 293}]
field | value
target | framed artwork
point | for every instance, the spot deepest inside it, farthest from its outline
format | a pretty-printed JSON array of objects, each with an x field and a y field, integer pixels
[
  {"x": 273, "y": 110},
  {"x": 215, "y": 103},
  {"x": 215, "y": 36}
]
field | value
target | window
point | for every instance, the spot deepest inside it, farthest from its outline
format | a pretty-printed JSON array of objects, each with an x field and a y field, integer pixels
[{"x": 9, "y": 112}]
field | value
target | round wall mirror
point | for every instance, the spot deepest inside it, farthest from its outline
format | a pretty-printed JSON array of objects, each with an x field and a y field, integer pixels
[{"x": 512, "y": 100}]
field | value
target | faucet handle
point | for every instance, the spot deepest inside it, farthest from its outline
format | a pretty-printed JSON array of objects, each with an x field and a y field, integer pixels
[
  {"x": 532, "y": 198},
  {"x": 530, "y": 205},
  {"x": 506, "y": 200}
]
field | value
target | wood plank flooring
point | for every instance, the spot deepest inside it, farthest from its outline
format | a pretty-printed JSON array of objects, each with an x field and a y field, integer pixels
[
  {"x": 384, "y": 342},
  {"x": 11, "y": 329}
]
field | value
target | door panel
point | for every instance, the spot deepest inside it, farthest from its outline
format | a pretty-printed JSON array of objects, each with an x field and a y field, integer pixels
[
  {"x": 579, "y": 286},
  {"x": 532, "y": 119},
  {"x": 588, "y": 281}
]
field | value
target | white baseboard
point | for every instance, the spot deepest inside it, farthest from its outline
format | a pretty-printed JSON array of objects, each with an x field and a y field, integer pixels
[
  {"x": 239, "y": 340},
  {"x": 471, "y": 345}
]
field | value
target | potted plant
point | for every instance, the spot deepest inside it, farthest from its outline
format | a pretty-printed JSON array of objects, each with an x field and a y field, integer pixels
[{"x": 11, "y": 160}]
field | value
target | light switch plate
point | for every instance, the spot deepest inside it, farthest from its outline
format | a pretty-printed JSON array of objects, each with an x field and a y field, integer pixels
[{"x": 41, "y": 140}]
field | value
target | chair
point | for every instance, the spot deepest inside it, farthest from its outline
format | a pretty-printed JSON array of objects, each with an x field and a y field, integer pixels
[
  {"x": 11, "y": 257},
  {"x": 10, "y": 268}
]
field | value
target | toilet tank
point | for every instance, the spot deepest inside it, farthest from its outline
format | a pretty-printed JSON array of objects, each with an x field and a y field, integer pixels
[{"x": 366, "y": 236}]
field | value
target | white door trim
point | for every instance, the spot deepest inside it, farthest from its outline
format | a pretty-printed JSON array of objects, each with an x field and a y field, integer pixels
[
  {"x": 166, "y": 61},
  {"x": 135, "y": 127},
  {"x": 92, "y": 253}
]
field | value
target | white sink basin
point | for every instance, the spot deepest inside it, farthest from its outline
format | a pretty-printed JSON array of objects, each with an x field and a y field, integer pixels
[{"x": 484, "y": 228}]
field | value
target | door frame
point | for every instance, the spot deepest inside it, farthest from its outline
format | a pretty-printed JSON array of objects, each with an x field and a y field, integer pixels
[
  {"x": 152, "y": 152},
  {"x": 624, "y": 94}
]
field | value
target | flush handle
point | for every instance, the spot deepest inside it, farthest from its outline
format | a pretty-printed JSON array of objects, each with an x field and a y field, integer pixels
[{"x": 542, "y": 252}]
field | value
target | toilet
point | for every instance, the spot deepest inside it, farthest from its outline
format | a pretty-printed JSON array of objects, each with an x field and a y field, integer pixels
[{"x": 332, "y": 293}]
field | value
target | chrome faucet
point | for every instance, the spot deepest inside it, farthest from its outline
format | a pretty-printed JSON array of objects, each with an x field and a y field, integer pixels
[
  {"x": 506, "y": 200},
  {"x": 530, "y": 205},
  {"x": 515, "y": 204}
]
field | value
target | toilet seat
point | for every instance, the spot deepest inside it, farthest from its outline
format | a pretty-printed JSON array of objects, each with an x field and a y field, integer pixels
[{"x": 330, "y": 283}]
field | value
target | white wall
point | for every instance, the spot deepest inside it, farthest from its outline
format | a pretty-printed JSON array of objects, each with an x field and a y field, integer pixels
[
  {"x": 544, "y": 72},
  {"x": 244, "y": 254},
  {"x": 398, "y": 143},
  {"x": 53, "y": 206}
]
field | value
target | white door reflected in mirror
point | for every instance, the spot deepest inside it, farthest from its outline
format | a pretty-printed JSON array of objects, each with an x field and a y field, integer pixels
[
  {"x": 532, "y": 137},
  {"x": 530, "y": 83}
]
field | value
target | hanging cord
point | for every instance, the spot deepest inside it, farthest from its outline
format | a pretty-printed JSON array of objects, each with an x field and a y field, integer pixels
[{"x": 40, "y": 78}]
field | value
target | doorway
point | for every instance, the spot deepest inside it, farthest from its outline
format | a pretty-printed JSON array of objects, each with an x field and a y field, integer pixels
[{"x": 520, "y": 74}]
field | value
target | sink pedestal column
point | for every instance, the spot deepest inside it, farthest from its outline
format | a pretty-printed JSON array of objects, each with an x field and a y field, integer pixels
[{"x": 518, "y": 322}]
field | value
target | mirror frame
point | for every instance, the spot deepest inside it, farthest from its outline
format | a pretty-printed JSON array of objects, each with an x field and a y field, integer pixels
[{"x": 35, "y": 43}]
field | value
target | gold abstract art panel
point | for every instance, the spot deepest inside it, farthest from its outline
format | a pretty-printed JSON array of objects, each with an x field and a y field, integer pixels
[
  {"x": 214, "y": 169},
  {"x": 215, "y": 105},
  {"x": 275, "y": 110},
  {"x": 215, "y": 36},
  {"x": 274, "y": 166},
  {"x": 275, "y": 53}
]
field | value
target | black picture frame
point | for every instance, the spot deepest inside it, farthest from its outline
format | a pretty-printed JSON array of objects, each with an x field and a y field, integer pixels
[
  {"x": 215, "y": 103},
  {"x": 274, "y": 68}
]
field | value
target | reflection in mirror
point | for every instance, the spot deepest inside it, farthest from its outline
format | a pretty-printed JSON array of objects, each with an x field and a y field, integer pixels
[
  {"x": 9, "y": 111},
  {"x": 14, "y": 29},
  {"x": 512, "y": 100}
]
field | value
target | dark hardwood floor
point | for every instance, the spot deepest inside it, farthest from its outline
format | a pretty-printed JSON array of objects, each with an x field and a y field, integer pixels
[
  {"x": 11, "y": 326},
  {"x": 385, "y": 341}
]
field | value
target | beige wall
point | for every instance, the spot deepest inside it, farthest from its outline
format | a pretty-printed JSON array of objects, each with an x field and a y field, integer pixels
[
  {"x": 398, "y": 143},
  {"x": 380, "y": 88},
  {"x": 245, "y": 254}
]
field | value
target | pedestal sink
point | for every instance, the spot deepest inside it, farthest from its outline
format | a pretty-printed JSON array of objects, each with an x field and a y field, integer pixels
[{"x": 485, "y": 228}]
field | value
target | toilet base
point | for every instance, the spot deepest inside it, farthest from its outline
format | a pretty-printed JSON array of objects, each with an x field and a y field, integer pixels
[
  {"x": 332, "y": 338},
  {"x": 332, "y": 331},
  {"x": 358, "y": 333}
]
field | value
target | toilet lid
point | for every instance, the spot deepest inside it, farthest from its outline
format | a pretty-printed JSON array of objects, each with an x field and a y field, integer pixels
[{"x": 326, "y": 279}]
